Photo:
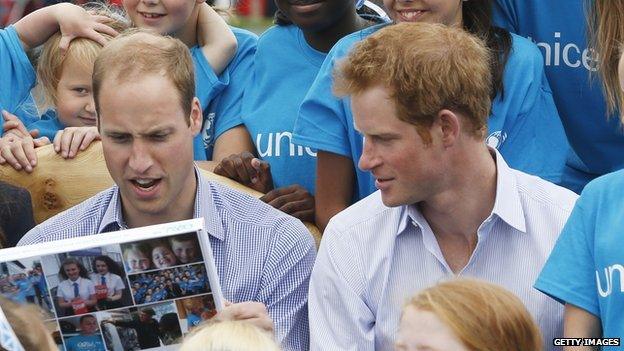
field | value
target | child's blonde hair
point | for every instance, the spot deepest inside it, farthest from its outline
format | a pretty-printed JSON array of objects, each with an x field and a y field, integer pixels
[
  {"x": 27, "y": 326},
  {"x": 229, "y": 336},
  {"x": 484, "y": 316},
  {"x": 81, "y": 51}
]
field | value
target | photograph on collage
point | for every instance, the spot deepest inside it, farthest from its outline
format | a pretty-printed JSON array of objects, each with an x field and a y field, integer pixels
[
  {"x": 81, "y": 333},
  {"x": 85, "y": 281},
  {"x": 169, "y": 283},
  {"x": 141, "y": 328},
  {"x": 23, "y": 281},
  {"x": 195, "y": 310},
  {"x": 161, "y": 253}
]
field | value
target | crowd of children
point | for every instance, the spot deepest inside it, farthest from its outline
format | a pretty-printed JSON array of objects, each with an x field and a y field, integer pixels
[
  {"x": 26, "y": 287},
  {"x": 168, "y": 284}
]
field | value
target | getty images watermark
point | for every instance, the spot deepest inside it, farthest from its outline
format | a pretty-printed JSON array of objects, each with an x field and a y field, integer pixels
[{"x": 586, "y": 341}]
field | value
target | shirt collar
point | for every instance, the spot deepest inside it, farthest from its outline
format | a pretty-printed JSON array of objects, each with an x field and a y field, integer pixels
[
  {"x": 113, "y": 217},
  {"x": 507, "y": 204},
  {"x": 204, "y": 207}
]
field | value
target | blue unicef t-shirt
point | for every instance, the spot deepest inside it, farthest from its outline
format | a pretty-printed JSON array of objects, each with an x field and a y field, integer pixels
[
  {"x": 558, "y": 27},
  {"x": 586, "y": 267},
  {"x": 523, "y": 125},
  {"x": 285, "y": 67},
  {"x": 17, "y": 77},
  {"x": 84, "y": 343},
  {"x": 221, "y": 97},
  {"x": 26, "y": 286},
  {"x": 48, "y": 125}
]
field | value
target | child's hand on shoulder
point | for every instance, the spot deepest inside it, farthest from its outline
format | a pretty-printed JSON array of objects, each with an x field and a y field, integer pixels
[
  {"x": 69, "y": 141},
  {"x": 20, "y": 152},
  {"x": 75, "y": 22}
]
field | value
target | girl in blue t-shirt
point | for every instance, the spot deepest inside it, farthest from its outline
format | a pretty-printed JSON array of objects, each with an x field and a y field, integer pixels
[
  {"x": 64, "y": 70},
  {"x": 288, "y": 57},
  {"x": 524, "y": 125},
  {"x": 65, "y": 75}
]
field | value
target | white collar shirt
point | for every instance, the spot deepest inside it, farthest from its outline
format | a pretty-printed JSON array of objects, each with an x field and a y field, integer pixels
[{"x": 373, "y": 258}]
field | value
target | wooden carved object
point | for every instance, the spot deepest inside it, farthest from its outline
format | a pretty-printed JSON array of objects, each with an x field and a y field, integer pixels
[{"x": 57, "y": 184}]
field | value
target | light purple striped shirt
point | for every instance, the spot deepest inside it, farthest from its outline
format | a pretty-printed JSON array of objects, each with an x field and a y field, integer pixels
[
  {"x": 261, "y": 254},
  {"x": 373, "y": 258}
]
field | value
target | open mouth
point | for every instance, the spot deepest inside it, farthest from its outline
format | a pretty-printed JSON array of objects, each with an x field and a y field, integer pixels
[
  {"x": 410, "y": 15},
  {"x": 148, "y": 15},
  {"x": 145, "y": 185}
]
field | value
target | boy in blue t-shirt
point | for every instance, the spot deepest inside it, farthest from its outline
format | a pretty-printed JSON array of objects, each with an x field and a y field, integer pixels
[
  {"x": 88, "y": 340},
  {"x": 220, "y": 97}
]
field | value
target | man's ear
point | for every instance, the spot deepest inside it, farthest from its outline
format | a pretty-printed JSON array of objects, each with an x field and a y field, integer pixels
[
  {"x": 196, "y": 117},
  {"x": 450, "y": 126}
]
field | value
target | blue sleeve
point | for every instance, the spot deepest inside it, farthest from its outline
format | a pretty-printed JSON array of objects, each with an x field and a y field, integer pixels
[
  {"x": 48, "y": 125},
  {"x": 322, "y": 120},
  {"x": 569, "y": 274},
  {"x": 17, "y": 77},
  {"x": 536, "y": 142},
  {"x": 207, "y": 84},
  {"x": 238, "y": 72},
  {"x": 504, "y": 15}
]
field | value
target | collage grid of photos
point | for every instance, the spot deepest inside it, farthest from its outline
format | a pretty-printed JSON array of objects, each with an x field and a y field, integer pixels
[{"x": 130, "y": 296}]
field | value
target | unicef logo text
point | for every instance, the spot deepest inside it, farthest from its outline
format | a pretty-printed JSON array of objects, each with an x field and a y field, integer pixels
[{"x": 568, "y": 54}]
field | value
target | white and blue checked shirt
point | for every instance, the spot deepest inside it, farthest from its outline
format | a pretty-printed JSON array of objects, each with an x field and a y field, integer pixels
[
  {"x": 373, "y": 258},
  {"x": 261, "y": 254}
]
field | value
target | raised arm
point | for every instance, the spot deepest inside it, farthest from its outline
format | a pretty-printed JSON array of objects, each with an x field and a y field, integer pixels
[
  {"x": 217, "y": 41},
  {"x": 334, "y": 186},
  {"x": 73, "y": 21}
]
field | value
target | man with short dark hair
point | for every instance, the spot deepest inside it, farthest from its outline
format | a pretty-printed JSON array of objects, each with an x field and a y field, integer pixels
[{"x": 147, "y": 118}]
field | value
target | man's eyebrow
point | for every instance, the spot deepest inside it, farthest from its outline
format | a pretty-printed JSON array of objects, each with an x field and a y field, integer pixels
[
  {"x": 158, "y": 130},
  {"x": 114, "y": 133}
]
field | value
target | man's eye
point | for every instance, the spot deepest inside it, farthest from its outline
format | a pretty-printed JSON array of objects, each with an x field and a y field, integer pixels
[
  {"x": 159, "y": 137},
  {"x": 119, "y": 138},
  {"x": 80, "y": 90}
]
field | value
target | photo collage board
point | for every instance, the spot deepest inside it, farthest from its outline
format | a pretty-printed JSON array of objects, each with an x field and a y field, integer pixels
[{"x": 137, "y": 289}]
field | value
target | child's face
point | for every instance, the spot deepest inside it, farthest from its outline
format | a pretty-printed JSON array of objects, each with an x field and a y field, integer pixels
[
  {"x": 164, "y": 16},
  {"x": 163, "y": 257},
  {"x": 423, "y": 330},
  {"x": 72, "y": 271},
  {"x": 88, "y": 325},
  {"x": 137, "y": 260},
  {"x": 184, "y": 250},
  {"x": 74, "y": 95},
  {"x": 101, "y": 267}
]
